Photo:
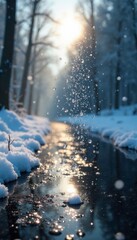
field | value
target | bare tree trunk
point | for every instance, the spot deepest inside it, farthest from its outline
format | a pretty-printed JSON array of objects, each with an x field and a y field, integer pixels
[
  {"x": 93, "y": 65},
  {"x": 37, "y": 102},
  {"x": 28, "y": 55},
  {"x": 32, "y": 84},
  {"x": 108, "y": 93},
  {"x": 14, "y": 77},
  {"x": 7, "y": 53},
  {"x": 13, "y": 86},
  {"x": 133, "y": 6},
  {"x": 118, "y": 68},
  {"x": 30, "y": 96},
  {"x": 33, "y": 70}
]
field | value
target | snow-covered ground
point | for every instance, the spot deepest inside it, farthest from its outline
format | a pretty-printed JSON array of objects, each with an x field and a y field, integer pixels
[
  {"x": 118, "y": 125},
  {"x": 19, "y": 139}
]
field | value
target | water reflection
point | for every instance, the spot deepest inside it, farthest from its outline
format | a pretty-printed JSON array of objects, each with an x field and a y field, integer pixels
[
  {"x": 128, "y": 153},
  {"x": 74, "y": 163},
  {"x": 112, "y": 205}
]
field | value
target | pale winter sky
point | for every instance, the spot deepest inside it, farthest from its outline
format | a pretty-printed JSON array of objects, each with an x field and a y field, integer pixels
[
  {"x": 65, "y": 9},
  {"x": 61, "y": 8}
]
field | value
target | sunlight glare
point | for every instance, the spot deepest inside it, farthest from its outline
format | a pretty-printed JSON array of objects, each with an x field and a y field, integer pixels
[
  {"x": 71, "y": 189},
  {"x": 69, "y": 31}
]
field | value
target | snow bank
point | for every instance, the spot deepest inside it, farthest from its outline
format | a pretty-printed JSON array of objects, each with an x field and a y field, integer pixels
[
  {"x": 3, "y": 191},
  {"x": 7, "y": 172},
  {"x": 120, "y": 126},
  {"x": 25, "y": 136},
  {"x": 74, "y": 200}
]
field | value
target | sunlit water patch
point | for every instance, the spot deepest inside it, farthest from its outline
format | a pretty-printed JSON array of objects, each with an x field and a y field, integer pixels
[{"x": 80, "y": 169}]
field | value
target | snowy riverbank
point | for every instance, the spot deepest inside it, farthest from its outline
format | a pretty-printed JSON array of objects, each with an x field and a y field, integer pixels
[
  {"x": 19, "y": 139},
  {"x": 120, "y": 126}
]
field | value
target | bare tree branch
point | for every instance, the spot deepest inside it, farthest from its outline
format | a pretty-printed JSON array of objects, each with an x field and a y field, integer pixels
[
  {"x": 45, "y": 65},
  {"x": 47, "y": 15},
  {"x": 49, "y": 44}
]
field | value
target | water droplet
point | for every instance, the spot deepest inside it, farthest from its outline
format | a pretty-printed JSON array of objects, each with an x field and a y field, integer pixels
[
  {"x": 118, "y": 78},
  {"x": 56, "y": 229},
  {"x": 89, "y": 141},
  {"x": 69, "y": 237},
  {"x": 124, "y": 99},
  {"x": 119, "y": 184},
  {"x": 37, "y": 221},
  {"x": 29, "y": 78},
  {"x": 119, "y": 236},
  {"x": 80, "y": 233},
  {"x": 36, "y": 237}
]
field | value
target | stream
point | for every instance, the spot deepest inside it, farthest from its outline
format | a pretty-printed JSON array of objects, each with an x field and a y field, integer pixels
[{"x": 74, "y": 162}]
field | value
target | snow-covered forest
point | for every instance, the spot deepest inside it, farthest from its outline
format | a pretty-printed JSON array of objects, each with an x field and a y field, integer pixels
[
  {"x": 100, "y": 71},
  {"x": 24, "y": 53},
  {"x": 102, "y": 67},
  {"x": 78, "y": 64}
]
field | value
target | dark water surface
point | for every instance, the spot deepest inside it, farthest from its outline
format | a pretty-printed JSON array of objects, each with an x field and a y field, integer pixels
[{"x": 74, "y": 162}]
